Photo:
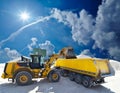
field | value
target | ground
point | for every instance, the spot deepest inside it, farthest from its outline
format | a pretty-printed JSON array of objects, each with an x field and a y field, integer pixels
[{"x": 64, "y": 86}]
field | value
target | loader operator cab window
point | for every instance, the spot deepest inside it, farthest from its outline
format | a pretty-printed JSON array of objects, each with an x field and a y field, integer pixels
[
  {"x": 36, "y": 62},
  {"x": 36, "y": 59}
]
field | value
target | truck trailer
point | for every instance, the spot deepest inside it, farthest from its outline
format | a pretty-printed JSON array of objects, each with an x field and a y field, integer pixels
[{"x": 88, "y": 71}]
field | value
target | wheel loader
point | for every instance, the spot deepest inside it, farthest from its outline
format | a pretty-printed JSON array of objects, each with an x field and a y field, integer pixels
[{"x": 23, "y": 70}]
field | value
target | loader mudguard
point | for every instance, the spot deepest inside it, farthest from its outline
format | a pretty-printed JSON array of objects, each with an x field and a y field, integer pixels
[{"x": 5, "y": 68}]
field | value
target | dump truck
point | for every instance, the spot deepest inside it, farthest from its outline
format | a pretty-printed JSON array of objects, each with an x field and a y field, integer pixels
[{"x": 88, "y": 71}]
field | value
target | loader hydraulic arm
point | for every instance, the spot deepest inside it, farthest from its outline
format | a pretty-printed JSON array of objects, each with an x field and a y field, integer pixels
[
  {"x": 48, "y": 64},
  {"x": 51, "y": 60},
  {"x": 66, "y": 52}
]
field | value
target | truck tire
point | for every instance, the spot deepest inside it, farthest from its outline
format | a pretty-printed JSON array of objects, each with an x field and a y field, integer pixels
[
  {"x": 86, "y": 81},
  {"x": 63, "y": 73},
  {"x": 23, "y": 78},
  {"x": 78, "y": 78},
  {"x": 53, "y": 76},
  {"x": 72, "y": 76}
]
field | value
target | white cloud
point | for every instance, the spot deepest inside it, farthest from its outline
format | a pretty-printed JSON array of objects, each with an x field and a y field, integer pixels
[
  {"x": 34, "y": 40},
  {"x": 33, "y": 43},
  {"x": 107, "y": 29},
  {"x": 104, "y": 29},
  {"x": 8, "y": 54},
  {"x": 82, "y": 27},
  {"x": 48, "y": 46},
  {"x": 115, "y": 52},
  {"x": 87, "y": 52},
  {"x": 12, "y": 54}
]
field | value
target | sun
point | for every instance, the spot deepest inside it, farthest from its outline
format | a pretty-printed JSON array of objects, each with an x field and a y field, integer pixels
[{"x": 24, "y": 16}]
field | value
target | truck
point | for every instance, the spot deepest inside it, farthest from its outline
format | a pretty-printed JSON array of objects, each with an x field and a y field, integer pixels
[{"x": 87, "y": 71}]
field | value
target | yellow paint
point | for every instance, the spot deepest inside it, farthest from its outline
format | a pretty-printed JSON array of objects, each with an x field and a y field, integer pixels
[
  {"x": 102, "y": 65},
  {"x": 55, "y": 76},
  {"x": 84, "y": 65},
  {"x": 23, "y": 78}
]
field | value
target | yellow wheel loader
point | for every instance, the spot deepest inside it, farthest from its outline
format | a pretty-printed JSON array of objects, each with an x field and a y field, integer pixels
[{"x": 22, "y": 71}]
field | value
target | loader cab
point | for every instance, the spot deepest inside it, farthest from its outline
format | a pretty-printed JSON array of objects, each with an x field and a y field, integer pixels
[{"x": 36, "y": 62}]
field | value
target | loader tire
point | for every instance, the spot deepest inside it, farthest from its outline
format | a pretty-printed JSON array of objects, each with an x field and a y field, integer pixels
[
  {"x": 53, "y": 76},
  {"x": 86, "y": 81},
  {"x": 23, "y": 78}
]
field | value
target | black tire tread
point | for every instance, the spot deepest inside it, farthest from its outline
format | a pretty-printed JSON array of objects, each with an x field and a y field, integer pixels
[
  {"x": 50, "y": 76},
  {"x": 72, "y": 76},
  {"x": 78, "y": 78},
  {"x": 23, "y": 73},
  {"x": 88, "y": 80}
]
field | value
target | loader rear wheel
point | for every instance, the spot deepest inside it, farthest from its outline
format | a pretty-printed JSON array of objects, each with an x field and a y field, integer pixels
[
  {"x": 23, "y": 78},
  {"x": 86, "y": 81},
  {"x": 53, "y": 76}
]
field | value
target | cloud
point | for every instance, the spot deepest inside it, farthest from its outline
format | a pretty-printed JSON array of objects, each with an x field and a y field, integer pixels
[
  {"x": 33, "y": 43},
  {"x": 87, "y": 52},
  {"x": 107, "y": 29},
  {"x": 48, "y": 46},
  {"x": 12, "y": 54},
  {"x": 104, "y": 30},
  {"x": 115, "y": 52},
  {"x": 8, "y": 54},
  {"x": 82, "y": 27},
  {"x": 34, "y": 40},
  {"x": 14, "y": 34}
]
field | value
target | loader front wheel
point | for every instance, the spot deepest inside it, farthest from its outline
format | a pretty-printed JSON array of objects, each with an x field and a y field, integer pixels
[
  {"x": 23, "y": 78},
  {"x": 53, "y": 76}
]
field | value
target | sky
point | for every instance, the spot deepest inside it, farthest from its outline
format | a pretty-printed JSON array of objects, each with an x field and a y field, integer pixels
[{"x": 91, "y": 27}]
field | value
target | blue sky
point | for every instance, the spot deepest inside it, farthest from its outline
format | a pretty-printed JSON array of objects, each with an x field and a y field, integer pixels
[{"x": 54, "y": 24}]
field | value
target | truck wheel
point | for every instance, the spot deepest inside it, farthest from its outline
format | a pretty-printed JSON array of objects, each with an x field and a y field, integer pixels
[
  {"x": 78, "y": 78},
  {"x": 63, "y": 73},
  {"x": 23, "y": 78},
  {"x": 86, "y": 81},
  {"x": 53, "y": 76},
  {"x": 71, "y": 76}
]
